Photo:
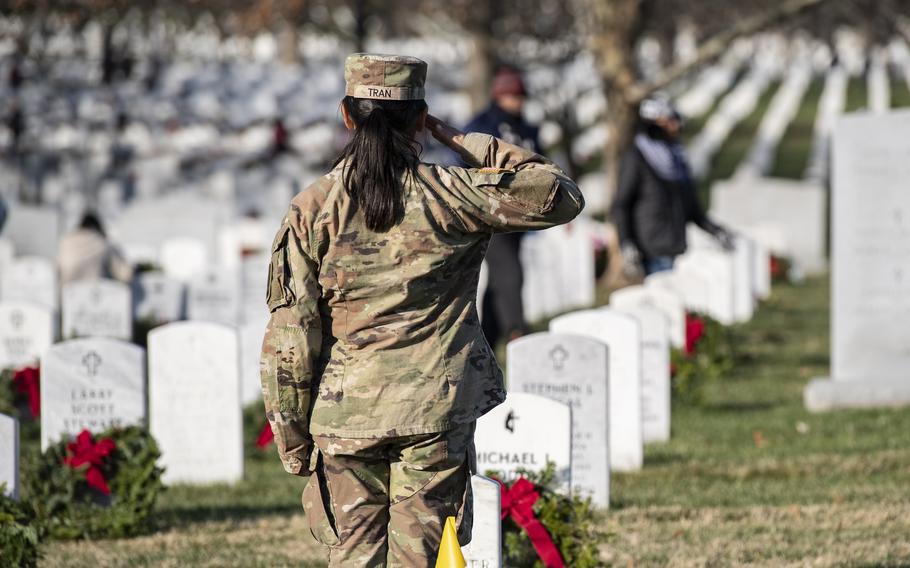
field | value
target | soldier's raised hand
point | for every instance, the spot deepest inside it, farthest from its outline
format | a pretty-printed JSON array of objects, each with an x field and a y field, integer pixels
[{"x": 448, "y": 135}]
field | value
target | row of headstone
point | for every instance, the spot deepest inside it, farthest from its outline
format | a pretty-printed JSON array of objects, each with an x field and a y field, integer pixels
[
  {"x": 586, "y": 396},
  {"x": 735, "y": 106},
  {"x": 783, "y": 107},
  {"x": 193, "y": 383}
]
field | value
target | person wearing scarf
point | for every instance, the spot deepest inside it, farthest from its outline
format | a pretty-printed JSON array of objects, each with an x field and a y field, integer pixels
[{"x": 656, "y": 197}]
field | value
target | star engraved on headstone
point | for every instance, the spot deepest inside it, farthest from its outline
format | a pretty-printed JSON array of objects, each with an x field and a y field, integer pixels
[
  {"x": 558, "y": 355},
  {"x": 16, "y": 318},
  {"x": 91, "y": 360},
  {"x": 510, "y": 421}
]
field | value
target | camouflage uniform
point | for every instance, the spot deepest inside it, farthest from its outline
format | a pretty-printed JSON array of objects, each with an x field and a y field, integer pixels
[{"x": 374, "y": 352}]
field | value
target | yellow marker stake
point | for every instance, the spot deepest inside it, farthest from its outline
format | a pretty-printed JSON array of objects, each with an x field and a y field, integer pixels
[{"x": 449, "y": 550}]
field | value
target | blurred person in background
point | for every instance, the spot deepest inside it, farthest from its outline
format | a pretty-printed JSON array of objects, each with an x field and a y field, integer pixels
[
  {"x": 374, "y": 365},
  {"x": 86, "y": 254},
  {"x": 503, "y": 312},
  {"x": 656, "y": 197}
]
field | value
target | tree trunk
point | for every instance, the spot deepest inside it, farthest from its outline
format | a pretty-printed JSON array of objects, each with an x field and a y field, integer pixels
[
  {"x": 621, "y": 119},
  {"x": 480, "y": 70},
  {"x": 615, "y": 28},
  {"x": 361, "y": 15},
  {"x": 288, "y": 43}
]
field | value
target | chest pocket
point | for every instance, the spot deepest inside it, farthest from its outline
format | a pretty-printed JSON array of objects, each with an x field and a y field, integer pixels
[{"x": 280, "y": 288}]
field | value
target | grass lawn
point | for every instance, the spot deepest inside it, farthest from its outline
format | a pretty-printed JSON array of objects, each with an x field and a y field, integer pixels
[
  {"x": 857, "y": 97},
  {"x": 900, "y": 92},
  {"x": 751, "y": 477},
  {"x": 793, "y": 150}
]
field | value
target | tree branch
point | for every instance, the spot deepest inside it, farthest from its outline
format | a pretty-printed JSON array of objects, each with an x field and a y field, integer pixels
[{"x": 717, "y": 45}]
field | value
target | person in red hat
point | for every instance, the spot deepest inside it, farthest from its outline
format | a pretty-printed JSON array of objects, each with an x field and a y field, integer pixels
[{"x": 503, "y": 313}]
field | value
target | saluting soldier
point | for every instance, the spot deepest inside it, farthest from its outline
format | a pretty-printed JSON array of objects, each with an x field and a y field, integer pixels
[{"x": 374, "y": 365}]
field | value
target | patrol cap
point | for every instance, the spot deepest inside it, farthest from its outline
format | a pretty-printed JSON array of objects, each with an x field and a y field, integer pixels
[{"x": 388, "y": 77}]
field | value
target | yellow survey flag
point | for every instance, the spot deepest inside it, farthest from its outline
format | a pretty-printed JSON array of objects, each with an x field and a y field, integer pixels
[{"x": 449, "y": 551}]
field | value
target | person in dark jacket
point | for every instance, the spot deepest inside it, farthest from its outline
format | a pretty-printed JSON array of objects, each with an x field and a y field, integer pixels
[
  {"x": 503, "y": 313},
  {"x": 656, "y": 197}
]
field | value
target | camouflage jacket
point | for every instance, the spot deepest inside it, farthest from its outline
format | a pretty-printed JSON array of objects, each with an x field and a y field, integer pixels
[{"x": 377, "y": 334}]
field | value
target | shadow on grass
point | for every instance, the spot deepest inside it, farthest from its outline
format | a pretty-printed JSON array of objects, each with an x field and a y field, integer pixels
[{"x": 737, "y": 407}]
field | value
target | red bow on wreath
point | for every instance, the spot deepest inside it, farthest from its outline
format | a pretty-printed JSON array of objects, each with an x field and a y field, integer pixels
[
  {"x": 695, "y": 330},
  {"x": 517, "y": 503},
  {"x": 265, "y": 436},
  {"x": 86, "y": 451},
  {"x": 28, "y": 381}
]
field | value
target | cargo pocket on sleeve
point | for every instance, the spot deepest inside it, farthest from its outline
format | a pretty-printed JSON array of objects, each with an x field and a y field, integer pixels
[
  {"x": 293, "y": 393},
  {"x": 280, "y": 288},
  {"x": 317, "y": 504}
]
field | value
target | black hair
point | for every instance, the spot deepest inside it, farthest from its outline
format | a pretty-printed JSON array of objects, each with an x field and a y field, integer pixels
[
  {"x": 91, "y": 222},
  {"x": 379, "y": 156}
]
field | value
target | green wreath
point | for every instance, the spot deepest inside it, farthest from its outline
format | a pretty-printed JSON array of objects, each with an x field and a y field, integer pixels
[{"x": 65, "y": 494}]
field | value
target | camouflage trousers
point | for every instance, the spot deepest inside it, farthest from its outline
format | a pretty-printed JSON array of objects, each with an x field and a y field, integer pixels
[{"x": 383, "y": 502}]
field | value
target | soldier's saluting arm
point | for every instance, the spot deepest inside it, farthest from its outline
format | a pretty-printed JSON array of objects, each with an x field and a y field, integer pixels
[
  {"x": 292, "y": 343},
  {"x": 509, "y": 188}
]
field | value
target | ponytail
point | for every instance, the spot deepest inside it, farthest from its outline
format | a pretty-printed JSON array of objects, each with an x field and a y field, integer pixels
[{"x": 381, "y": 155}]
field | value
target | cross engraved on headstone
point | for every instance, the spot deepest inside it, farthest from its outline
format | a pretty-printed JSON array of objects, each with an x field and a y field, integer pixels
[
  {"x": 558, "y": 355},
  {"x": 16, "y": 318},
  {"x": 91, "y": 360},
  {"x": 510, "y": 421}
]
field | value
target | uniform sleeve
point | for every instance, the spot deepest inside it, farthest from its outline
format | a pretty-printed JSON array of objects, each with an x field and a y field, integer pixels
[
  {"x": 509, "y": 188},
  {"x": 626, "y": 195},
  {"x": 291, "y": 346}
]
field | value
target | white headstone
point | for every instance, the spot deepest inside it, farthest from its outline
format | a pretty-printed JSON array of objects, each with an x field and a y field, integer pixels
[
  {"x": 573, "y": 370},
  {"x": 664, "y": 299},
  {"x": 485, "y": 548},
  {"x": 622, "y": 334},
  {"x": 194, "y": 383},
  {"x": 184, "y": 257},
  {"x": 214, "y": 296},
  {"x": 738, "y": 263},
  {"x": 524, "y": 433},
  {"x": 30, "y": 279},
  {"x": 9, "y": 455},
  {"x": 690, "y": 285},
  {"x": 253, "y": 276},
  {"x": 655, "y": 372},
  {"x": 717, "y": 270},
  {"x": 97, "y": 308},
  {"x": 7, "y": 253},
  {"x": 158, "y": 298},
  {"x": 795, "y": 208},
  {"x": 26, "y": 330},
  {"x": 870, "y": 279},
  {"x": 33, "y": 230},
  {"x": 94, "y": 384}
]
